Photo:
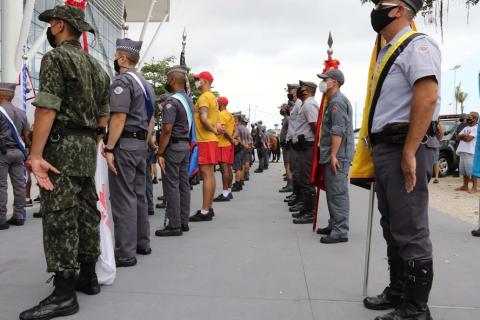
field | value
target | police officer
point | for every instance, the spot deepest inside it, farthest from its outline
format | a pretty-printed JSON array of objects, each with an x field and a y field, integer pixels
[
  {"x": 131, "y": 122},
  {"x": 259, "y": 139},
  {"x": 174, "y": 153},
  {"x": 403, "y": 138},
  {"x": 285, "y": 112},
  {"x": 306, "y": 125},
  {"x": 71, "y": 114},
  {"x": 336, "y": 155},
  {"x": 266, "y": 148},
  {"x": 11, "y": 156}
]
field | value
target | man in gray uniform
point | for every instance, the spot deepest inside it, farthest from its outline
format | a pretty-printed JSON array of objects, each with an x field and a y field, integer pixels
[
  {"x": 131, "y": 108},
  {"x": 174, "y": 153},
  {"x": 11, "y": 158},
  {"x": 336, "y": 155},
  {"x": 306, "y": 126},
  {"x": 403, "y": 138},
  {"x": 285, "y": 112},
  {"x": 296, "y": 197}
]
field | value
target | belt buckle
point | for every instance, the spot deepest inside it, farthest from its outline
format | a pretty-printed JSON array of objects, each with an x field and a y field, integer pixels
[{"x": 425, "y": 139}]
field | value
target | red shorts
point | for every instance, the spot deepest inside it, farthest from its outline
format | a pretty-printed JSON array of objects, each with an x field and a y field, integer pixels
[
  {"x": 226, "y": 154},
  {"x": 208, "y": 153}
]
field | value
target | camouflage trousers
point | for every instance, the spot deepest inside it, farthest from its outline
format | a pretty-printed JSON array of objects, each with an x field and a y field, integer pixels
[{"x": 70, "y": 223}]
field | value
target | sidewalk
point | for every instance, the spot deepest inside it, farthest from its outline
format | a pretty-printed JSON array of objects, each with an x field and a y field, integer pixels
[{"x": 250, "y": 263}]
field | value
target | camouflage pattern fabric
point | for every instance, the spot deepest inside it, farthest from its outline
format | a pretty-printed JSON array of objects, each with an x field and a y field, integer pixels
[
  {"x": 74, "y": 85},
  {"x": 74, "y": 16},
  {"x": 71, "y": 221}
]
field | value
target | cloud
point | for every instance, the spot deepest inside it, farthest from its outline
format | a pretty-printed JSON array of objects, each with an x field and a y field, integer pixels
[{"x": 254, "y": 48}]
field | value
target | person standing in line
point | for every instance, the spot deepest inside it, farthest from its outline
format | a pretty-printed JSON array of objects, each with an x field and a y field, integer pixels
[{"x": 466, "y": 151}]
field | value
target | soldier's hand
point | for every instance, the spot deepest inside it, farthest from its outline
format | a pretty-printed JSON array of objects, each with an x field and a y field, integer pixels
[
  {"x": 161, "y": 163},
  {"x": 409, "y": 168},
  {"x": 334, "y": 164},
  {"x": 40, "y": 169},
  {"x": 111, "y": 162}
]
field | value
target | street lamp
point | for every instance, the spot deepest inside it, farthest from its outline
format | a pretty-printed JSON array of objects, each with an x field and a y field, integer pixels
[{"x": 454, "y": 69}]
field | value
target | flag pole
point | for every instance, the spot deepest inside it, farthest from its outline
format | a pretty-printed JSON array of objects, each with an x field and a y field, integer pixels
[{"x": 371, "y": 205}]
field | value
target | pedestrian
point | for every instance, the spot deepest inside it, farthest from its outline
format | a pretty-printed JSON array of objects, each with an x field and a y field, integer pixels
[
  {"x": 70, "y": 118},
  {"x": 226, "y": 150},
  {"x": 259, "y": 139},
  {"x": 466, "y": 152},
  {"x": 336, "y": 155},
  {"x": 129, "y": 130},
  {"x": 12, "y": 157},
  {"x": 436, "y": 161},
  {"x": 207, "y": 128},
  {"x": 174, "y": 152},
  {"x": 403, "y": 136},
  {"x": 306, "y": 125}
]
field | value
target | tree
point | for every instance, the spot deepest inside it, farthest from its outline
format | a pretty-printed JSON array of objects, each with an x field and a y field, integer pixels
[
  {"x": 156, "y": 73},
  {"x": 460, "y": 97}
]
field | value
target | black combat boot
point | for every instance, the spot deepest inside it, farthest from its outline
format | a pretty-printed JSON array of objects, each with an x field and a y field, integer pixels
[
  {"x": 87, "y": 280},
  {"x": 62, "y": 302},
  {"x": 391, "y": 297},
  {"x": 306, "y": 211},
  {"x": 418, "y": 283}
]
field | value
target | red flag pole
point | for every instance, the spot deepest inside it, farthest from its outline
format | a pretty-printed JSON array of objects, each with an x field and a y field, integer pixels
[
  {"x": 82, "y": 4},
  {"x": 317, "y": 175}
]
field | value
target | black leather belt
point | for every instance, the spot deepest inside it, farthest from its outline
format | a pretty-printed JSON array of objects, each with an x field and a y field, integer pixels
[
  {"x": 177, "y": 140},
  {"x": 399, "y": 135},
  {"x": 309, "y": 143},
  {"x": 140, "y": 135}
]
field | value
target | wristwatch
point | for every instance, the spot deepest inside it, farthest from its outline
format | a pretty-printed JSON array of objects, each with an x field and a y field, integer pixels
[
  {"x": 107, "y": 150},
  {"x": 101, "y": 131}
]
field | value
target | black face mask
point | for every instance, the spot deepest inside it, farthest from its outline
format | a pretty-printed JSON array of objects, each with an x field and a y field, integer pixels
[
  {"x": 169, "y": 88},
  {"x": 380, "y": 19},
  {"x": 116, "y": 66},
  {"x": 51, "y": 38},
  {"x": 290, "y": 97},
  {"x": 299, "y": 93}
]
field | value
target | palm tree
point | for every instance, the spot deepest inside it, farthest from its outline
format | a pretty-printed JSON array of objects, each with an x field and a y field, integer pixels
[{"x": 460, "y": 97}]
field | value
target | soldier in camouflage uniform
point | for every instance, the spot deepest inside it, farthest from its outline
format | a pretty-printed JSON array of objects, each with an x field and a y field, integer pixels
[{"x": 72, "y": 110}]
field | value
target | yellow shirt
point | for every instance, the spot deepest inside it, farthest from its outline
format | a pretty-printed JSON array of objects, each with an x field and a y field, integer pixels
[
  {"x": 228, "y": 121},
  {"x": 209, "y": 101}
]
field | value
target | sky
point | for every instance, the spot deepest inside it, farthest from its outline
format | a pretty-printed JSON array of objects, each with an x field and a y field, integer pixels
[{"x": 254, "y": 48}]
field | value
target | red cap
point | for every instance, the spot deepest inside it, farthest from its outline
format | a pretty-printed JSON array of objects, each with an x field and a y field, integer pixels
[
  {"x": 205, "y": 75},
  {"x": 223, "y": 101}
]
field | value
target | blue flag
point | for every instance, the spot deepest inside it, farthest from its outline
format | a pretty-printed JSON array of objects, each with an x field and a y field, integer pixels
[{"x": 476, "y": 157}]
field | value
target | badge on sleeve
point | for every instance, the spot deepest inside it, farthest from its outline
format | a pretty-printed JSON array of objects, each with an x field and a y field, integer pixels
[
  {"x": 118, "y": 90},
  {"x": 334, "y": 110}
]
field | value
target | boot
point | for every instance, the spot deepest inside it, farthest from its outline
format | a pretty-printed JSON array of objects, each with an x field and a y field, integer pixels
[
  {"x": 236, "y": 187},
  {"x": 306, "y": 212},
  {"x": 418, "y": 278},
  {"x": 391, "y": 297},
  {"x": 298, "y": 207},
  {"x": 62, "y": 302},
  {"x": 87, "y": 280}
]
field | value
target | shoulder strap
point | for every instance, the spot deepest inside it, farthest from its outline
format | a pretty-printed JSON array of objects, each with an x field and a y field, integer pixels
[
  {"x": 383, "y": 69},
  {"x": 148, "y": 98},
  {"x": 13, "y": 129},
  {"x": 186, "y": 106}
]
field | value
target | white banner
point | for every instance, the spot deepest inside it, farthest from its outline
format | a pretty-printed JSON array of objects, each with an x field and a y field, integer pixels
[{"x": 105, "y": 268}]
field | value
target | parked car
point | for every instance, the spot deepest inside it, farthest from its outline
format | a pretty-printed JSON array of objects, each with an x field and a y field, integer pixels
[{"x": 448, "y": 146}]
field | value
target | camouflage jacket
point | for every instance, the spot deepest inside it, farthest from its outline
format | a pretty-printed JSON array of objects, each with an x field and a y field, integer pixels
[{"x": 74, "y": 85}]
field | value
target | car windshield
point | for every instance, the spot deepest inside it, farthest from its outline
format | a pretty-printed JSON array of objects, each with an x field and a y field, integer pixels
[{"x": 449, "y": 126}]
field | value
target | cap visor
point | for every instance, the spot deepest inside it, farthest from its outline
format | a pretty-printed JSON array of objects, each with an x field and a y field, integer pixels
[
  {"x": 322, "y": 76},
  {"x": 46, "y": 15}
]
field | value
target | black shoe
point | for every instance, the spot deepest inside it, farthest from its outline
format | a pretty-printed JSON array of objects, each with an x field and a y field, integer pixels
[
  {"x": 295, "y": 208},
  {"x": 62, "y": 302},
  {"x": 332, "y": 240},
  {"x": 155, "y": 181},
  {"x": 211, "y": 212},
  {"x": 16, "y": 222},
  {"x": 221, "y": 198},
  {"x": 28, "y": 203},
  {"x": 247, "y": 178},
  {"x": 199, "y": 217},
  {"x": 169, "y": 232},
  {"x": 4, "y": 226},
  {"x": 285, "y": 189},
  {"x": 125, "y": 262},
  {"x": 151, "y": 213},
  {"x": 144, "y": 252},
  {"x": 388, "y": 299},
  {"x": 299, "y": 214},
  {"x": 162, "y": 198},
  {"x": 185, "y": 228},
  {"x": 230, "y": 196},
  {"x": 476, "y": 233},
  {"x": 162, "y": 205},
  {"x": 237, "y": 187},
  {"x": 87, "y": 281},
  {"x": 38, "y": 214},
  {"x": 325, "y": 231},
  {"x": 305, "y": 219},
  {"x": 258, "y": 171},
  {"x": 37, "y": 199}
]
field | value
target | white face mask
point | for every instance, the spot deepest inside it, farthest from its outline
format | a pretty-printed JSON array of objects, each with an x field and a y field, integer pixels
[
  {"x": 323, "y": 87},
  {"x": 197, "y": 84}
]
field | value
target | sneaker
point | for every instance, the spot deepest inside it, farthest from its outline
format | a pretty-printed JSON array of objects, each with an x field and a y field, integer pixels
[
  {"x": 37, "y": 199},
  {"x": 28, "y": 203},
  {"x": 230, "y": 196},
  {"x": 169, "y": 232},
  {"x": 199, "y": 217},
  {"x": 332, "y": 240},
  {"x": 476, "y": 233},
  {"x": 221, "y": 198}
]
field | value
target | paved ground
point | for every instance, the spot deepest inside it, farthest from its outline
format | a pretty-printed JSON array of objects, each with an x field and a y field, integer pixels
[{"x": 249, "y": 263}]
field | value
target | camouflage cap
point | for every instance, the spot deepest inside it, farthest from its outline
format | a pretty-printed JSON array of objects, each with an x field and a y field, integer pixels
[
  {"x": 8, "y": 87},
  {"x": 73, "y": 15}
]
